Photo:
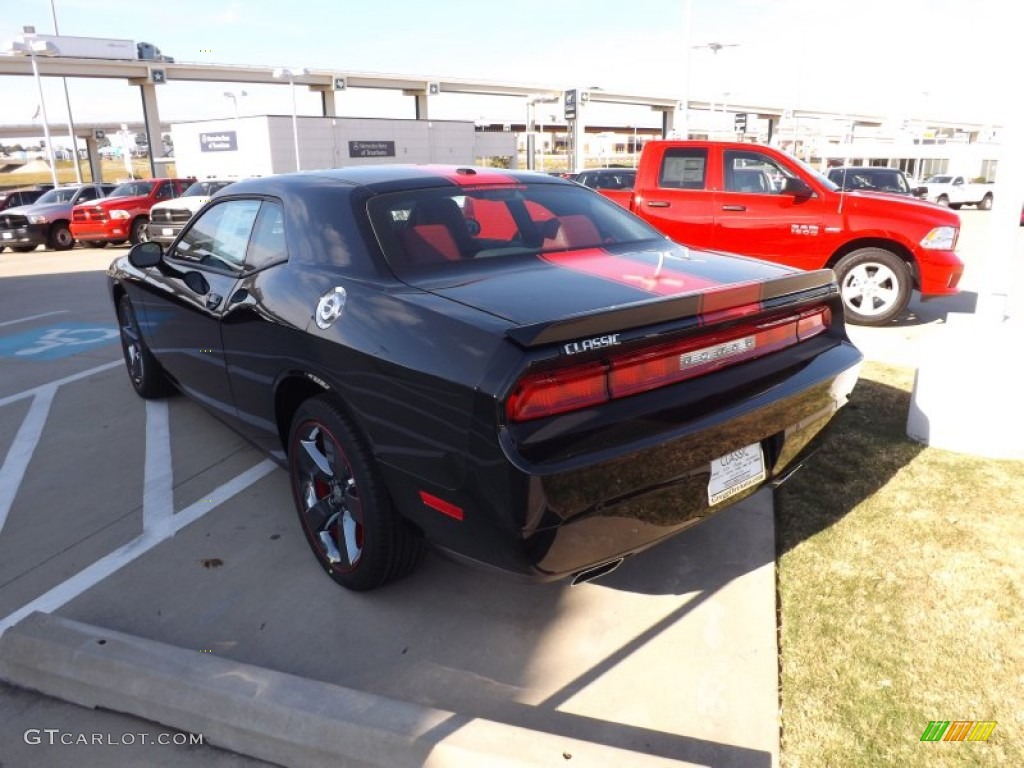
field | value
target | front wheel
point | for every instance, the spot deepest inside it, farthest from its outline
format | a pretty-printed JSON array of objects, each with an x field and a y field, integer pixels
[
  {"x": 60, "y": 237},
  {"x": 343, "y": 506},
  {"x": 140, "y": 231},
  {"x": 943, "y": 201},
  {"x": 147, "y": 377},
  {"x": 874, "y": 285},
  {"x": 986, "y": 203}
]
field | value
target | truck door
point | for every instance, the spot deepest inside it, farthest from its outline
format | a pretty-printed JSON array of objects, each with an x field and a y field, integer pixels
[
  {"x": 678, "y": 201},
  {"x": 754, "y": 215}
]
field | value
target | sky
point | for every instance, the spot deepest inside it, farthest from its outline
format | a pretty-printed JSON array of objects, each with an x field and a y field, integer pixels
[{"x": 904, "y": 58}]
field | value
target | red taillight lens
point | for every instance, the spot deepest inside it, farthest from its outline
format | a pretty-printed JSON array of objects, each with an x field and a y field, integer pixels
[
  {"x": 814, "y": 322},
  {"x": 558, "y": 391},
  {"x": 551, "y": 392}
]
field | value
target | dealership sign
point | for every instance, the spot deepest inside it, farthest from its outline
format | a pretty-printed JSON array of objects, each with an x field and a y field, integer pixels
[
  {"x": 371, "y": 149},
  {"x": 224, "y": 141}
]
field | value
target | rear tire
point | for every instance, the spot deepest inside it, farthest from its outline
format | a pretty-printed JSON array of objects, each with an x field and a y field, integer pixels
[
  {"x": 343, "y": 506},
  {"x": 147, "y": 377},
  {"x": 60, "y": 237},
  {"x": 874, "y": 284}
]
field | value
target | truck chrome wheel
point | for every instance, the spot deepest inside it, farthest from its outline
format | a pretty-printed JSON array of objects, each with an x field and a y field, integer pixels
[{"x": 874, "y": 285}]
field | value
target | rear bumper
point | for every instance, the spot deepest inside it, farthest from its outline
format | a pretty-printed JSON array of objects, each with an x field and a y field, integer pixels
[
  {"x": 939, "y": 272},
  {"x": 619, "y": 502}
]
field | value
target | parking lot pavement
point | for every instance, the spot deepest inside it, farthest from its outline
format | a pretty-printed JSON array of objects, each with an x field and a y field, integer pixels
[{"x": 154, "y": 520}]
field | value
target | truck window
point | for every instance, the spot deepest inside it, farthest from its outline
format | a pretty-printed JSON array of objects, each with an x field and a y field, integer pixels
[
  {"x": 684, "y": 168},
  {"x": 753, "y": 173}
]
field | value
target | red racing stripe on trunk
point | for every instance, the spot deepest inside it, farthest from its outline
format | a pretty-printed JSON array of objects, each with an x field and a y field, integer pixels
[{"x": 645, "y": 277}]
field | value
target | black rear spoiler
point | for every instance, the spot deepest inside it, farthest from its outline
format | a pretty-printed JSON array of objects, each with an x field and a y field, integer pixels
[{"x": 704, "y": 307}]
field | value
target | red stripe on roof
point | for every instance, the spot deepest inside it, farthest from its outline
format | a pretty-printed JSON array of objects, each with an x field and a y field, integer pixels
[
  {"x": 644, "y": 277},
  {"x": 472, "y": 176}
]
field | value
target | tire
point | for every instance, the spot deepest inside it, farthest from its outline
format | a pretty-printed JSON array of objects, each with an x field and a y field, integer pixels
[
  {"x": 943, "y": 201},
  {"x": 22, "y": 248},
  {"x": 140, "y": 230},
  {"x": 874, "y": 284},
  {"x": 956, "y": 206},
  {"x": 986, "y": 203},
  {"x": 343, "y": 507},
  {"x": 147, "y": 377},
  {"x": 60, "y": 238}
]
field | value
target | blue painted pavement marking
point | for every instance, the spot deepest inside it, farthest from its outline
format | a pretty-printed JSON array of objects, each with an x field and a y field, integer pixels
[{"x": 56, "y": 341}]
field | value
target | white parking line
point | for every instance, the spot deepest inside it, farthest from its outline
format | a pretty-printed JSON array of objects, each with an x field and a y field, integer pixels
[
  {"x": 58, "y": 383},
  {"x": 12, "y": 471},
  {"x": 119, "y": 558},
  {"x": 35, "y": 317},
  {"x": 158, "y": 482}
]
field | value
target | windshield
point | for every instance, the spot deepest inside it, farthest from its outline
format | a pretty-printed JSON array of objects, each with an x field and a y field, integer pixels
[
  {"x": 132, "y": 189},
  {"x": 62, "y": 195},
  {"x": 429, "y": 230},
  {"x": 204, "y": 188},
  {"x": 939, "y": 179}
]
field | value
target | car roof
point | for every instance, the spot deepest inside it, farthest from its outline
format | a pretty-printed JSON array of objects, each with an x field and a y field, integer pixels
[{"x": 390, "y": 178}]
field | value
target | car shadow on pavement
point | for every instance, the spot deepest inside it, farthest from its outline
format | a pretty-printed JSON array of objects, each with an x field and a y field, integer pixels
[
  {"x": 936, "y": 310},
  {"x": 866, "y": 446}
]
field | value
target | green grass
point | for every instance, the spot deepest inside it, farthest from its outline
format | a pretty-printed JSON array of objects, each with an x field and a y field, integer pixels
[{"x": 900, "y": 576}]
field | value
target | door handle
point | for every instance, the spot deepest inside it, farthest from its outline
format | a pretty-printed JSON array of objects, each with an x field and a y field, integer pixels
[
  {"x": 734, "y": 207},
  {"x": 213, "y": 300},
  {"x": 658, "y": 204}
]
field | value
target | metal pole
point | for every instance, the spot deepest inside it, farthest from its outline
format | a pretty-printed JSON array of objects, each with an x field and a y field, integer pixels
[
  {"x": 46, "y": 125},
  {"x": 67, "y": 102},
  {"x": 295, "y": 124}
]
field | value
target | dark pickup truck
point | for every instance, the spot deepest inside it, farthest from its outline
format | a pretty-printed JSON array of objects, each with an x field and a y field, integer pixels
[{"x": 47, "y": 220}]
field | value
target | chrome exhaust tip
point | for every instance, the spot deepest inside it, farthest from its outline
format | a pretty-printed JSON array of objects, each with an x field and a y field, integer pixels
[{"x": 589, "y": 574}]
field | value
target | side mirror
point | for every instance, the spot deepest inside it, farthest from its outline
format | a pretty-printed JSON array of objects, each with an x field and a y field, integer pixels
[
  {"x": 145, "y": 255},
  {"x": 797, "y": 187},
  {"x": 919, "y": 191}
]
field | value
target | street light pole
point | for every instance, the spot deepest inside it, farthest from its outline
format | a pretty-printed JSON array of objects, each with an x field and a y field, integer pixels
[
  {"x": 291, "y": 74},
  {"x": 67, "y": 102}
]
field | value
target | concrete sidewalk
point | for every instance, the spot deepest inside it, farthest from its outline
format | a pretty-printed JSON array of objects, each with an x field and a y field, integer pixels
[{"x": 671, "y": 660}]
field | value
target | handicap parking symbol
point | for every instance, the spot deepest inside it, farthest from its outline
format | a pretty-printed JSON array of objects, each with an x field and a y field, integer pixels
[{"x": 53, "y": 342}]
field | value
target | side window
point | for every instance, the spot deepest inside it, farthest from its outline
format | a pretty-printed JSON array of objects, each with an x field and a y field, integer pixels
[
  {"x": 165, "y": 191},
  {"x": 752, "y": 173},
  {"x": 219, "y": 237},
  {"x": 684, "y": 168},
  {"x": 88, "y": 193},
  {"x": 267, "y": 245}
]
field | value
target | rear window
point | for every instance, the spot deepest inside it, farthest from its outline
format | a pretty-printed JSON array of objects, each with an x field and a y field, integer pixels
[{"x": 428, "y": 230}]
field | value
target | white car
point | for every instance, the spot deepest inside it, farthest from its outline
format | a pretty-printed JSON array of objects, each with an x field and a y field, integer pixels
[{"x": 166, "y": 219}]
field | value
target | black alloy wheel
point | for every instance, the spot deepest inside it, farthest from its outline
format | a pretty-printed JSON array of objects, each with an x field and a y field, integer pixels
[
  {"x": 144, "y": 372},
  {"x": 343, "y": 506}
]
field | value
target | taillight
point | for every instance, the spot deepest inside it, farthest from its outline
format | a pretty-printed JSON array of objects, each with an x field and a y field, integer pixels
[
  {"x": 568, "y": 389},
  {"x": 565, "y": 389}
]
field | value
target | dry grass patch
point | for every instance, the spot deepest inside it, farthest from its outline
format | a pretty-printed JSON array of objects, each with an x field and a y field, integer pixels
[{"x": 901, "y": 569}]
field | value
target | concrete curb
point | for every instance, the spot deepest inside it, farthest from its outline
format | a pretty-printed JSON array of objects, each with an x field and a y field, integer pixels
[{"x": 270, "y": 715}]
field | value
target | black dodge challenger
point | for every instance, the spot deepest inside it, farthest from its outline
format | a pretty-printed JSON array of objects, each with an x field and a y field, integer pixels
[{"x": 504, "y": 364}]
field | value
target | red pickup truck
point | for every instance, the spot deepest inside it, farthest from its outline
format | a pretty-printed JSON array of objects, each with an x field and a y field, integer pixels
[
  {"x": 124, "y": 213},
  {"x": 756, "y": 201}
]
